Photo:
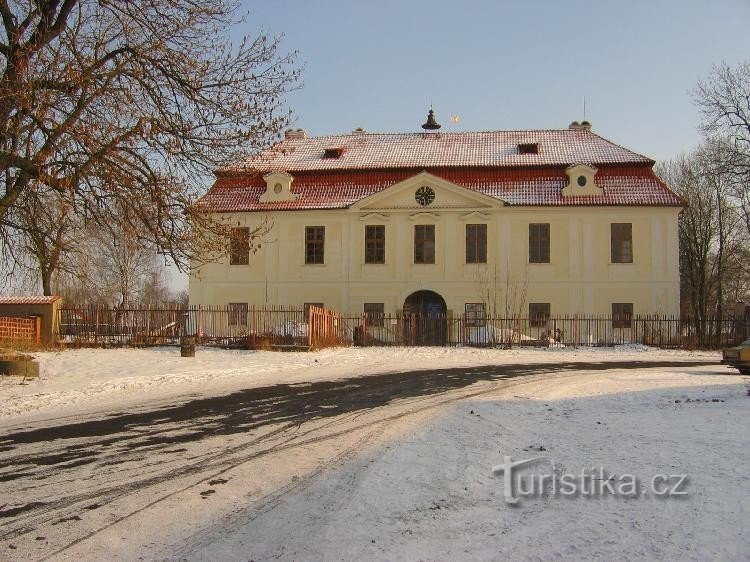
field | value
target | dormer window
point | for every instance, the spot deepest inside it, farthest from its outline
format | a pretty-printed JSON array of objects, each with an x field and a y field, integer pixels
[
  {"x": 278, "y": 188},
  {"x": 333, "y": 152},
  {"x": 581, "y": 181},
  {"x": 528, "y": 148}
]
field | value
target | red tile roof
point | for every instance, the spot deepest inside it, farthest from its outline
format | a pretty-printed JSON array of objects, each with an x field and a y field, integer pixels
[
  {"x": 12, "y": 299},
  {"x": 430, "y": 150},
  {"x": 622, "y": 185},
  {"x": 486, "y": 162}
]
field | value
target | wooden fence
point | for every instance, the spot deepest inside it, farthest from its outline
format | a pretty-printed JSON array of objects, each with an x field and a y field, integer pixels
[
  {"x": 270, "y": 327},
  {"x": 326, "y": 329},
  {"x": 276, "y": 327}
]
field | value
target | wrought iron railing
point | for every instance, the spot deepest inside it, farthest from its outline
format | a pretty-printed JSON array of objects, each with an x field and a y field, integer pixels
[{"x": 299, "y": 327}]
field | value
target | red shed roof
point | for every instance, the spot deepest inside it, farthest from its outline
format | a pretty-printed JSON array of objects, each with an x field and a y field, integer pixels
[{"x": 38, "y": 299}]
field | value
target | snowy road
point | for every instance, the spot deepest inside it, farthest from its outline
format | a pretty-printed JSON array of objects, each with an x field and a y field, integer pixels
[
  {"x": 430, "y": 494},
  {"x": 96, "y": 487}
]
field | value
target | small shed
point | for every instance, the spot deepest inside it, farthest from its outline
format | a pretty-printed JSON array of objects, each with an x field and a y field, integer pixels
[{"x": 16, "y": 311}]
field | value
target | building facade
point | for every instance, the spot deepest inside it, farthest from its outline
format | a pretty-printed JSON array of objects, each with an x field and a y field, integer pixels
[{"x": 537, "y": 222}]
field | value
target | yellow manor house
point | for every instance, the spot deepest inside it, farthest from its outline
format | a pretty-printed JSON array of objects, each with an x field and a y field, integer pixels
[{"x": 536, "y": 222}]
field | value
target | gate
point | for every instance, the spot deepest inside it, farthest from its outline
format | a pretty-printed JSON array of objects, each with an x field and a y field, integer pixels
[
  {"x": 424, "y": 320},
  {"x": 424, "y": 329}
]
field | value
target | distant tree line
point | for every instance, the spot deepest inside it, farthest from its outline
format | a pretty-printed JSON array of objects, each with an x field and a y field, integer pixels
[{"x": 714, "y": 181}]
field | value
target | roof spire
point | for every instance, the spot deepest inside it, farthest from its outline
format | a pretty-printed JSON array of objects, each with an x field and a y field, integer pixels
[{"x": 431, "y": 124}]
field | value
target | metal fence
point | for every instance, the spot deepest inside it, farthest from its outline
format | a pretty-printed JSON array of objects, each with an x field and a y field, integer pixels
[
  {"x": 276, "y": 327},
  {"x": 228, "y": 326},
  {"x": 604, "y": 330}
]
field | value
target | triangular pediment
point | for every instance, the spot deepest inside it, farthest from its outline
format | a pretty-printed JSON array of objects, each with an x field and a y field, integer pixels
[{"x": 435, "y": 193}]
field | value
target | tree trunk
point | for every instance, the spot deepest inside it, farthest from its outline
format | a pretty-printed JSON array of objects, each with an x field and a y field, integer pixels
[{"x": 47, "y": 281}]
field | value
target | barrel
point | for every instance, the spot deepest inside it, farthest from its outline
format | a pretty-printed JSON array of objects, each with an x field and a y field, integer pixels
[{"x": 187, "y": 346}]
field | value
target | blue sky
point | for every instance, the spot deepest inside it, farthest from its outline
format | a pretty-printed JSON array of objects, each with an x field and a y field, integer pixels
[{"x": 507, "y": 65}]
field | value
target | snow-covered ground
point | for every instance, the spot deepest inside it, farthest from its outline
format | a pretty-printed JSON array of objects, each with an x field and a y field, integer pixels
[
  {"x": 430, "y": 494},
  {"x": 80, "y": 380},
  {"x": 410, "y": 479}
]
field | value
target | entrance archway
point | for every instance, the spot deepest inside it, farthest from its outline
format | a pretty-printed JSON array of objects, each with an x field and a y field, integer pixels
[
  {"x": 425, "y": 302},
  {"x": 425, "y": 320}
]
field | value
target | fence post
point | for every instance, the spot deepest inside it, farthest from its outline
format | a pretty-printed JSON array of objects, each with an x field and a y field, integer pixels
[
  {"x": 363, "y": 335},
  {"x": 199, "y": 324},
  {"x": 309, "y": 326}
]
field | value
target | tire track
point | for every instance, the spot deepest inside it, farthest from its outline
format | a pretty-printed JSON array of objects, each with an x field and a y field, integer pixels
[{"x": 404, "y": 394}]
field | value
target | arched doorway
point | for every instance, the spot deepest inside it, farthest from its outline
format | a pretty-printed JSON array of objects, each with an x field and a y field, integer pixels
[{"x": 425, "y": 319}]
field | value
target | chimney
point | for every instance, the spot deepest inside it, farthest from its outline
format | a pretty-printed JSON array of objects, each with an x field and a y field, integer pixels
[
  {"x": 295, "y": 134},
  {"x": 582, "y": 126}
]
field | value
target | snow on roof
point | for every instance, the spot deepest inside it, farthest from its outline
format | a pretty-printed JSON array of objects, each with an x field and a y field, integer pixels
[
  {"x": 493, "y": 163},
  {"x": 467, "y": 149},
  {"x": 38, "y": 299},
  {"x": 622, "y": 185}
]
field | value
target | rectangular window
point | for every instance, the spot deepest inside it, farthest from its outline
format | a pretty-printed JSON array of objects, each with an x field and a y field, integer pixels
[
  {"x": 374, "y": 313},
  {"x": 622, "y": 242},
  {"x": 475, "y": 314},
  {"x": 622, "y": 314},
  {"x": 375, "y": 243},
  {"x": 237, "y": 313},
  {"x": 539, "y": 313},
  {"x": 307, "y": 306},
  {"x": 476, "y": 243},
  {"x": 424, "y": 243},
  {"x": 315, "y": 238},
  {"x": 239, "y": 246},
  {"x": 539, "y": 243}
]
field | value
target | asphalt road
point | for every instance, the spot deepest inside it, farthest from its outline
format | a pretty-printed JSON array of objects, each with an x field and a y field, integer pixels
[{"x": 52, "y": 474}]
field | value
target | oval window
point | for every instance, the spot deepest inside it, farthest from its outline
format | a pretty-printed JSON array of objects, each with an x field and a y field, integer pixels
[
  {"x": 277, "y": 188},
  {"x": 582, "y": 181}
]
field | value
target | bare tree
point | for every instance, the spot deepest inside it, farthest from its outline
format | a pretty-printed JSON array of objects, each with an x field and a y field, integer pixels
[
  {"x": 503, "y": 295},
  {"x": 47, "y": 236},
  {"x": 697, "y": 227},
  {"x": 129, "y": 105},
  {"x": 17, "y": 271},
  {"x": 112, "y": 266},
  {"x": 121, "y": 266},
  {"x": 724, "y": 101},
  {"x": 711, "y": 265},
  {"x": 717, "y": 165}
]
